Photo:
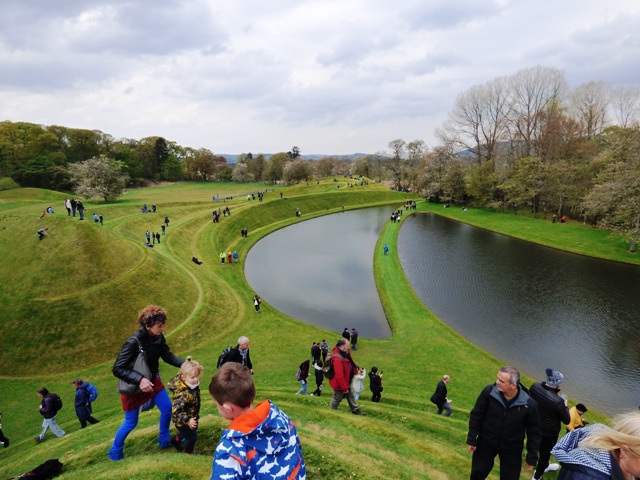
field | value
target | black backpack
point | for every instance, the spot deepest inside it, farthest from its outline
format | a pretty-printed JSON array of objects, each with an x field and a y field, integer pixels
[
  {"x": 49, "y": 469},
  {"x": 57, "y": 401},
  {"x": 327, "y": 368},
  {"x": 222, "y": 359}
]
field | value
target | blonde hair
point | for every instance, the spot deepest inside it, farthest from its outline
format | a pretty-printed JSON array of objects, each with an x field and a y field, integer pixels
[
  {"x": 625, "y": 433},
  {"x": 190, "y": 366}
]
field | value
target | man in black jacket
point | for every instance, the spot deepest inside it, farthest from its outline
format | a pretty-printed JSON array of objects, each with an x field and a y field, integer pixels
[
  {"x": 553, "y": 410},
  {"x": 439, "y": 397},
  {"x": 502, "y": 415},
  {"x": 240, "y": 354}
]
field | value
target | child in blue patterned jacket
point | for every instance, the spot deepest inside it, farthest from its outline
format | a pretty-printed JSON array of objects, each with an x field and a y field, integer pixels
[{"x": 261, "y": 442}]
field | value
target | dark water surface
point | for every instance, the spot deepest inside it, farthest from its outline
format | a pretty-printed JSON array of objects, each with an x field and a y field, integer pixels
[
  {"x": 531, "y": 306},
  {"x": 321, "y": 271}
]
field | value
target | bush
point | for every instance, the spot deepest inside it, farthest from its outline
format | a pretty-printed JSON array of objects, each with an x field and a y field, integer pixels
[{"x": 7, "y": 183}]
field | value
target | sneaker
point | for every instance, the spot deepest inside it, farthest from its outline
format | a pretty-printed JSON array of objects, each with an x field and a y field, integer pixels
[
  {"x": 38, "y": 439},
  {"x": 534, "y": 477},
  {"x": 552, "y": 467}
]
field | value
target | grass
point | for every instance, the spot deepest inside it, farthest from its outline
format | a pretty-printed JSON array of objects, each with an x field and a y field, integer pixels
[{"x": 70, "y": 301}]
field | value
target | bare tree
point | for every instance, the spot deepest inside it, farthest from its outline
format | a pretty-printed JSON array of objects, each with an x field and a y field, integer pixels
[
  {"x": 532, "y": 91},
  {"x": 479, "y": 119},
  {"x": 626, "y": 104},
  {"x": 589, "y": 103},
  {"x": 396, "y": 160}
]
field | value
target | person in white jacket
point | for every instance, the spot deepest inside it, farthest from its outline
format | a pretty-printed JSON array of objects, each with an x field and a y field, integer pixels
[{"x": 357, "y": 385}]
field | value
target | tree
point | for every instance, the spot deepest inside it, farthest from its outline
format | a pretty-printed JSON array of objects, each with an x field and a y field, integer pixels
[
  {"x": 626, "y": 103},
  {"x": 614, "y": 200},
  {"x": 324, "y": 167},
  {"x": 294, "y": 153},
  {"x": 396, "y": 160},
  {"x": 297, "y": 171},
  {"x": 275, "y": 166},
  {"x": 531, "y": 92},
  {"x": 241, "y": 173},
  {"x": 479, "y": 119},
  {"x": 99, "y": 177},
  {"x": 361, "y": 166},
  {"x": 589, "y": 103}
]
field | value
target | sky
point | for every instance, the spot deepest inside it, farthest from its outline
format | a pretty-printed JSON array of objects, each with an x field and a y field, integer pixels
[{"x": 328, "y": 76}]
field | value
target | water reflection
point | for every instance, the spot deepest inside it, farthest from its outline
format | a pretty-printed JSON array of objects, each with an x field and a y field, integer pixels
[
  {"x": 531, "y": 306},
  {"x": 321, "y": 271}
]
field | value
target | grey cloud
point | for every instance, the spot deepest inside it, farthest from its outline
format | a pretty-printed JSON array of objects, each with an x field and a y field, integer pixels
[{"x": 445, "y": 14}]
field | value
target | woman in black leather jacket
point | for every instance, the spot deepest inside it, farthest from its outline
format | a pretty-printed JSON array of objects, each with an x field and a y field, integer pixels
[{"x": 150, "y": 339}]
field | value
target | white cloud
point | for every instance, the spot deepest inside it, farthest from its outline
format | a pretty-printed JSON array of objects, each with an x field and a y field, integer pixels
[{"x": 330, "y": 76}]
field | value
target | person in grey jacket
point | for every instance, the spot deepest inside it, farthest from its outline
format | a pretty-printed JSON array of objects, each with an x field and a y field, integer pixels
[{"x": 553, "y": 410}]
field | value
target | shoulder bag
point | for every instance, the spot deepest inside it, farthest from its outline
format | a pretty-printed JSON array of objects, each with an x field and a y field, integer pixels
[{"x": 140, "y": 366}]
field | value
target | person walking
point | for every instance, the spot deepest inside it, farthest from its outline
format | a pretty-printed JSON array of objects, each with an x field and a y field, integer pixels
[
  {"x": 503, "y": 415},
  {"x": 148, "y": 338},
  {"x": 302, "y": 376},
  {"x": 439, "y": 397},
  {"x": 49, "y": 407},
  {"x": 553, "y": 411},
  {"x": 354, "y": 339},
  {"x": 240, "y": 354},
  {"x": 324, "y": 348},
  {"x": 344, "y": 368},
  {"x": 256, "y": 302},
  {"x": 357, "y": 385},
  {"x": 317, "y": 368},
  {"x": 82, "y": 403}
]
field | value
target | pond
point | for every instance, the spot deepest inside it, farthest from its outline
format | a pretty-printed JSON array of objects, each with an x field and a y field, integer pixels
[
  {"x": 320, "y": 271},
  {"x": 531, "y": 306}
]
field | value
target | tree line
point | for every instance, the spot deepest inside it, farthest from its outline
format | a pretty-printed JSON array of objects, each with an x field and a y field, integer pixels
[{"x": 524, "y": 141}]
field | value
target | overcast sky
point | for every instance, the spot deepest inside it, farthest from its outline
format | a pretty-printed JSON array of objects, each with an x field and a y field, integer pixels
[{"x": 329, "y": 76}]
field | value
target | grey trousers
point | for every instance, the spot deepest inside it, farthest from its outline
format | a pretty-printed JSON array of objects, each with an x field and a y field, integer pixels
[
  {"x": 338, "y": 395},
  {"x": 51, "y": 423}
]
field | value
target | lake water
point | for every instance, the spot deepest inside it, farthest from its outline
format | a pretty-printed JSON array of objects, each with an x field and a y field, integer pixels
[
  {"x": 320, "y": 271},
  {"x": 531, "y": 306}
]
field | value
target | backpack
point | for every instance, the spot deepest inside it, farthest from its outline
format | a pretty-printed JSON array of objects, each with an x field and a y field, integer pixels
[
  {"x": 327, "y": 368},
  {"x": 222, "y": 359},
  {"x": 298, "y": 374},
  {"x": 93, "y": 392},
  {"x": 57, "y": 401}
]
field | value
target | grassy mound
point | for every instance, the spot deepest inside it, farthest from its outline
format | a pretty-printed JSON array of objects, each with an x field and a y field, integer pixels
[{"x": 70, "y": 301}]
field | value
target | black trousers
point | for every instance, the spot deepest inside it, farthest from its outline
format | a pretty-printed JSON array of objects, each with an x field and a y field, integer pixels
[
  {"x": 484, "y": 458},
  {"x": 546, "y": 445}
]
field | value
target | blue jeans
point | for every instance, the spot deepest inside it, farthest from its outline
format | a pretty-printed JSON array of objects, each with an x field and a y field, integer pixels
[
  {"x": 303, "y": 389},
  {"x": 163, "y": 402}
]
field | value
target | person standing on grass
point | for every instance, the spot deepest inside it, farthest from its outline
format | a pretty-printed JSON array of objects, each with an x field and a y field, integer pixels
[
  {"x": 354, "y": 339},
  {"x": 148, "y": 236},
  {"x": 163, "y": 227},
  {"x": 303, "y": 375},
  {"x": 67, "y": 205},
  {"x": 148, "y": 338},
  {"x": 501, "y": 418},
  {"x": 186, "y": 405},
  {"x": 375, "y": 384},
  {"x": 240, "y": 354},
  {"x": 553, "y": 411},
  {"x": 324, "y": 348},
  {"x": 256, "y": 302},
  {"x": 158, "y": 237},
  {"x": 439, "y": 397}
]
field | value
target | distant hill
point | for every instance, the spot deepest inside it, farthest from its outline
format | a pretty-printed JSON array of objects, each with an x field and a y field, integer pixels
[{"x": 233, "y": 158}]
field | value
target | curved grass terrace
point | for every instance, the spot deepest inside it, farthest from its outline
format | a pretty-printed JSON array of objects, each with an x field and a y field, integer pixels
[{"x": 70, "y": 301}]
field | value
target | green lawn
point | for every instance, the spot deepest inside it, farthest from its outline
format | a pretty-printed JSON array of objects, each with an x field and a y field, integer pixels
[{"x": 70, "y": 301}]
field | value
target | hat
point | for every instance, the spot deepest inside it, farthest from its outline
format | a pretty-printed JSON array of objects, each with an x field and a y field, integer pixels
[
  {"x": 581, "y": 407},
  {"x": 554, "y": 378}
]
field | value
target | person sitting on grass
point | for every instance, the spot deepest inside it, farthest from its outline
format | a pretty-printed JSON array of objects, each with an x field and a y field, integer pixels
[{"x": 261, "y": 442}]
